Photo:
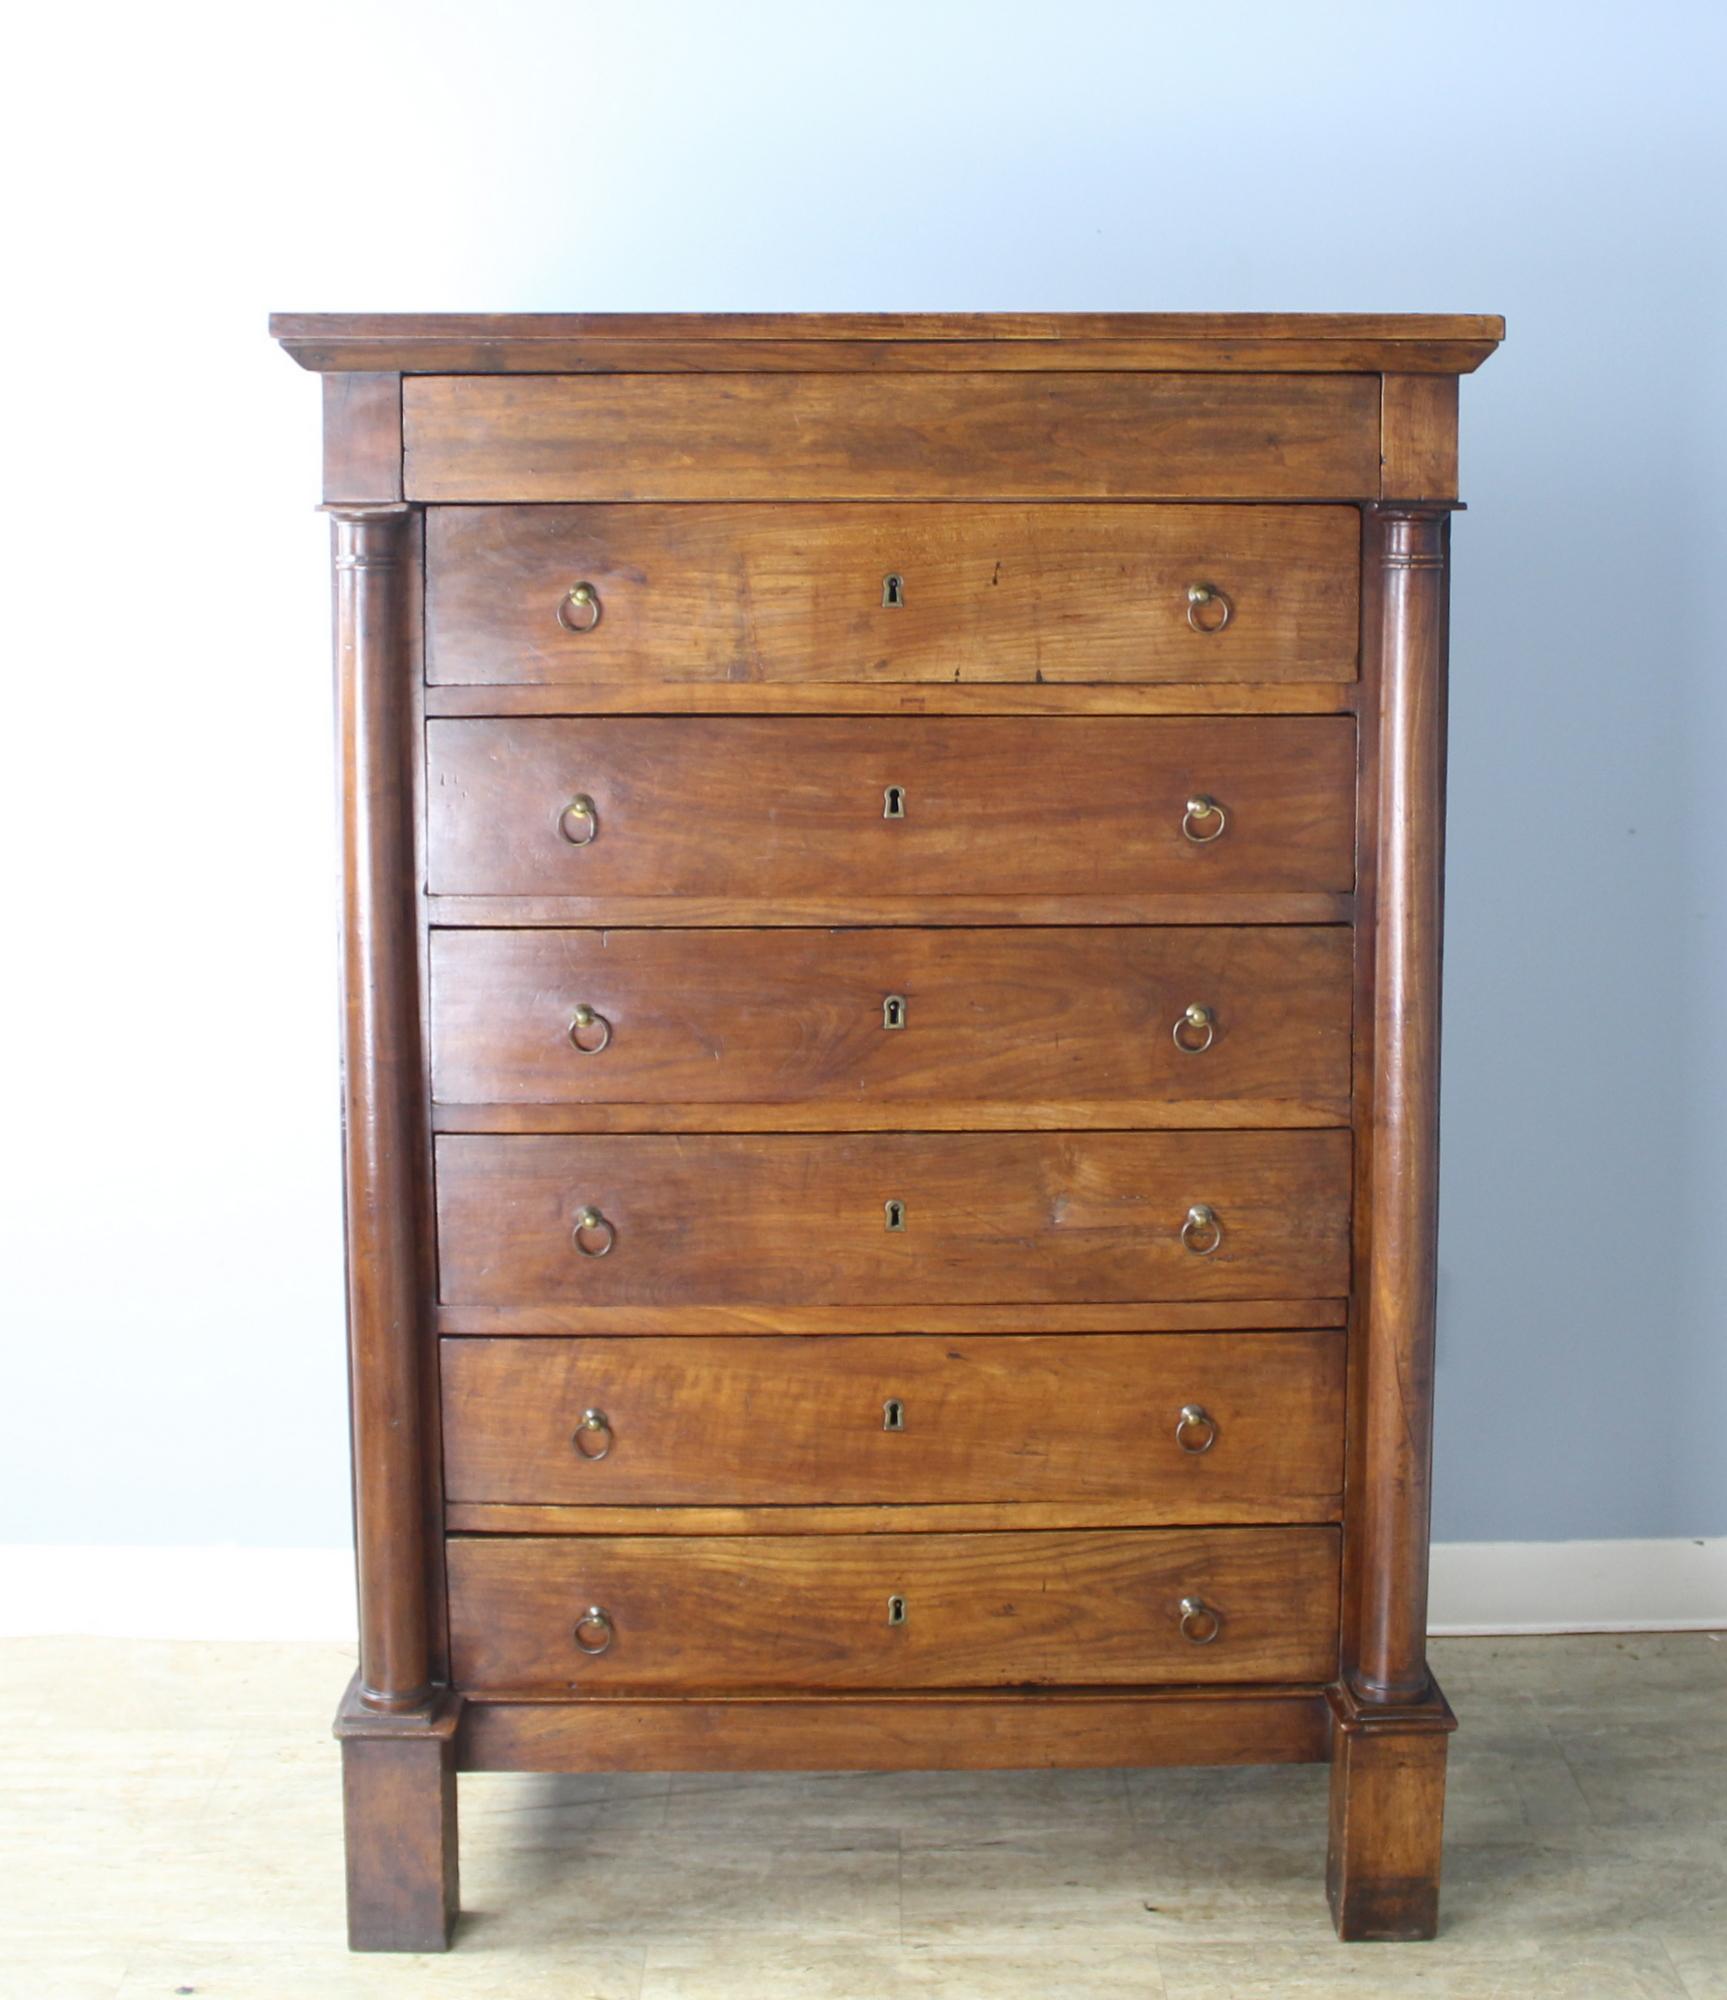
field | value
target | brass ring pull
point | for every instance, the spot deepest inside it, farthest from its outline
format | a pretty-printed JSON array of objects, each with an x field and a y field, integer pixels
[
  {"x": 584, "y": 1022},
  {"x": 1195, "y": 1430},
  {"x": 1200, "y": 807},
  {"x": 1200, "y": 1624},
  {"x": 593, "y": 1235},
  {"x": 595, "y": 1424},
  {"x": 579, "y": 822},
  {"x": 1221, "y": 611},
  {"x": 1201, "y": 1233},
  {"x": 584, "y": 600},
  {"x": 595, "y": 1619},
  {"x": 1196, "y": 1020}
]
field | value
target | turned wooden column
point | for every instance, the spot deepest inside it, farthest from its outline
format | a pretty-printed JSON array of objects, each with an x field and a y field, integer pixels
[
  {"x": 382, "y": 1102},
  {"x": 1409, "y": 546}
]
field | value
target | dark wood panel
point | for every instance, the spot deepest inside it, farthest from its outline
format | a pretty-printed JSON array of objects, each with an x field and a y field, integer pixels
[
  {"x": 1418, "y": 451},
  {"x": 583, "y": 343},
  {"x": 650, "y": 697},
  {"x": 710, "y": 1613},
  {"x": 362, "y": 438},
  {"x": 500, "y": 1517},
  {"x": 1140, "y": 1316},
  {"x": 770, "y": 807},
  {"x": 794, "y": 594},
  {"x": 859, "y": 1029},
  {"x": 914, "y": 437},
  {"x": 932, "y": 912},
  {"x": 968, "y": 1732},
  {"x": 909, "y": 1419},
  {"x": 798, "y": 1220}
]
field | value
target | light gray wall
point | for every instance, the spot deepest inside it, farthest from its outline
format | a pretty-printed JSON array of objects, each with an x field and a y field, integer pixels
[{"x": 173, "y": 1265}]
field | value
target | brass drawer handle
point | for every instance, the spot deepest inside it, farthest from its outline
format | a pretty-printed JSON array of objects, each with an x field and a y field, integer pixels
[
  {"x": 585, "y": 1024},
  {"x": 1208, "y": 608},
  {"x": 1200, "y": 1624},
  {"x": 1202, "y": 1233},
  {"x": 1195, "y": 1430},
  {"x": 1199, "y": 807},
  {"x": 594, "y": 1424},
  {"x": 595, "y": 1619},
  {"x": 579, "y": 822},
  {"x": 584, "y": 600},
  {"x": 1196, "y": 1020},
  {"x": 593, "y": 1235}
]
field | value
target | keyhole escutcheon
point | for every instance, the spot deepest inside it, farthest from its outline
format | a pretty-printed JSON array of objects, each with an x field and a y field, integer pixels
[
  {"x": 893, "y": 1011},
  {"x": 893, "y": 802},
  {"x": 893, "y": 1414},
  {"x": 896, "y": 1610},
  {"x": 894, "y": 1211},
  {"x": 893, "y": 591}
]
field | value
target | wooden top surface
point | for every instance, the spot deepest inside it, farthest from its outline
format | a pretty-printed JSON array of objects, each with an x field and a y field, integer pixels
[{"x": 504, "y": 343}]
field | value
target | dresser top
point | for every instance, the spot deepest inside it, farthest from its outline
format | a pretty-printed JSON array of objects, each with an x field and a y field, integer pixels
[{"x": 608, "y": 343}]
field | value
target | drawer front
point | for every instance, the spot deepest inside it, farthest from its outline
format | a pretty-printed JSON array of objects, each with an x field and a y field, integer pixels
[
  {"x": 853, "y": 1028},
  {"x": 900, "y": 1218},
  {"x": 1088, "y": 436},
  {"x": 723, "y": 1612},
  {"x": 1195, "y": 1427},
  {"x": 878, "y": 595},
  {"x": 789, "y": 806}
]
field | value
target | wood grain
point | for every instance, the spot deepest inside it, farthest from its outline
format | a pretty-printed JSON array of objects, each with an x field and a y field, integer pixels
[
  {"x": 1418, "y": 446},
  {"x": 1056, "y": 908},
  {"x": 1138, "y": 1316},
  {"x": 789, "y": 595},
  {"x": 1388, "y": 1644},
  {"x": 711, "y": 1613},
  {"x": 779, "y": 1422},
  {"x": 772, "y": 807},
  {"x": 508, "y": 1517},
  {"x": 914, "y": 437},
  {"x": 363, "y": 438},
  {"x": 399, "y": 1821},
  {"x": 797, "y": 1220},
  {"x": 785, "y": 1029},
  {"x": 650, "y": 697},
  {"x": 1044, "y": 1730},
  {"x": 385, "y": 1143},
  {"x": 1387, "y": 1816},
  {"x": 552, "y": 343}
]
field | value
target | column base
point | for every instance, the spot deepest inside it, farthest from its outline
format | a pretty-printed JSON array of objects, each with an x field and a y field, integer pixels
[
  {"x": 399, "y": 1819},
  {"x": 1387, "y": 1815}
]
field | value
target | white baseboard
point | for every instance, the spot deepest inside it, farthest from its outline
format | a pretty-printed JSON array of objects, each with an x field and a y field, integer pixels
[
  {"x": 185, "y": 1593},
  {"x": 1677, "y": 1585},
  {"x": 223, "y": 1593}
]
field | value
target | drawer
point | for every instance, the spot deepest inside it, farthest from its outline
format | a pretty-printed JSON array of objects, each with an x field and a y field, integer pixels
[
  {"x": 890, "y": 1218},
  {"x": 879, "y": 595},
  {"x": 1194, "y": 1427},
  {"x": 840, "y": 1029},
  {"x": 1082, "y": 436},
  {"x": 766, "y": 807},
  {"x": 1077, "y": 1608}
]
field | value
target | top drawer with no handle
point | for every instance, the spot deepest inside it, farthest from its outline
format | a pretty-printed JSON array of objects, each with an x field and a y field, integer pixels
[{"x": 1089, "y": 435}]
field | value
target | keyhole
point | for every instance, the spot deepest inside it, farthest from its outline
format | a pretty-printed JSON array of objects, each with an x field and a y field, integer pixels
[
  {"x": 893, "y": 1414},
  {"x": 893, "y": 1011},
  {"x": 895, "y": 1211},
  {"x": 893, "y": 592},
  {"x": 896, "y": 1611},
  {"x": 893, "y": 802}
]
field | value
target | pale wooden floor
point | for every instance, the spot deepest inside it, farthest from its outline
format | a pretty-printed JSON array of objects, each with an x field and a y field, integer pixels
[{"x": 169, "y": 1825}]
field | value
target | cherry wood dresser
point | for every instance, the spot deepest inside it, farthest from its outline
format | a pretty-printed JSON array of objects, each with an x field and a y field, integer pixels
[{"x": 892, "y": 875}]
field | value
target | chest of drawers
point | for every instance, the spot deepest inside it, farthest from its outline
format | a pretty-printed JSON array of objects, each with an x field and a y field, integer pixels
[{"x": 892, "y": 886}]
